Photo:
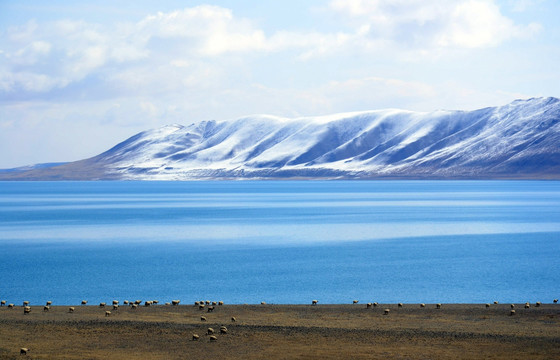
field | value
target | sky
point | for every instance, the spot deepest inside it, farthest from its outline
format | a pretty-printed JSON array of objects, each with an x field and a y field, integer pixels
[{"x": 78, "y": 77}]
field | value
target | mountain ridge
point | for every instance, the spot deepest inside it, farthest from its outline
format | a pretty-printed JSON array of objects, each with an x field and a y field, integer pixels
[{"x": 517, "y": 140}]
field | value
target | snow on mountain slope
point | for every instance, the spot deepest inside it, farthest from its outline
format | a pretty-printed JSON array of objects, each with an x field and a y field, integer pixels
[{"x": 517, "y": 140}]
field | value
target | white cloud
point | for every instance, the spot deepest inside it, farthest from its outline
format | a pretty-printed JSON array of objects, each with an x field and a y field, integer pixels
[{"x": 434, "y": 23}]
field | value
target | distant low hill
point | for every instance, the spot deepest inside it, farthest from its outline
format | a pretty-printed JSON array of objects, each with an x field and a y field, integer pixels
[{"x": 520, "y": 140}]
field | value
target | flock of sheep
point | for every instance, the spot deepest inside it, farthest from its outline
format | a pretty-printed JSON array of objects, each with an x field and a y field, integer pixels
[{"x": 209, "y": 306}]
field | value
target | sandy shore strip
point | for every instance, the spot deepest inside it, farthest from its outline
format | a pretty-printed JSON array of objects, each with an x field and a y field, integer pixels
[{"x": 269, "y": 331}]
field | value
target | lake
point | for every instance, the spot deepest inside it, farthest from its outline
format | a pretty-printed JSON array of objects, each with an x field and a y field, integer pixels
[{"x": 280, "y": 241}]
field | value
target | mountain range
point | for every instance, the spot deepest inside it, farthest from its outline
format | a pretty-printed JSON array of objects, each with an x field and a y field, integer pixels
[{"x": 520, "y": 140}]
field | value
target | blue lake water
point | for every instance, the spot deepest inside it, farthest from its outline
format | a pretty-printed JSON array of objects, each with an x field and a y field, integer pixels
[{"x": 280, "y": 242}]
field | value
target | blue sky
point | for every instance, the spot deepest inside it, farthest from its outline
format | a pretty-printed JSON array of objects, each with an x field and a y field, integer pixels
[{"x": 78, "y": 77}]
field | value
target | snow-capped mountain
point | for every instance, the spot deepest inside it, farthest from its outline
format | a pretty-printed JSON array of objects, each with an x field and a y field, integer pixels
[{"x": 518, "y": 140}]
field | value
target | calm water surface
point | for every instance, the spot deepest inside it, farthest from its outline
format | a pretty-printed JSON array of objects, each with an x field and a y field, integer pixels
[{"x": 280, "y": 242}]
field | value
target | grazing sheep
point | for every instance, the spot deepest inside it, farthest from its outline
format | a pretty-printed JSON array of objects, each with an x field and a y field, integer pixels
[
  {"x": 147, "y": 303},
  {"x": 195, "y": 337},
  {"x": 213, "y": 338},
  {"x": 207, "y": 302},
  {"x": 538, "y": 304},
  {"x": 125, "y": 302},
  {"x": 175, "y": 302},
  {"x": 314, "y": 302},
  {"x": 233, "y": 319},
  {"x": 115, "y": 307},
  {"x": 10, "y": 306},
  {"x": 555, "y": 301},
  {"x": 3, "y": 302},
  {"x": 210, "y": 308},
  {"x": 25, "y": 303},
  {"x": 84, "y": 302},
  {"x": 49, "y": 303},
  {"x": 138, "y": 302},
  {"x": 23, "y": 351},
  {"x": 210, "y": 331},
  {"x": 167, "y": 304},
  {"x": 487, "y": 305},
  {"x": 438, "y": 306},
  {"x": 196, "y": 303},
  {"x": 400, "y": 304},
  {"x": 263, "y": 302},
  {"x": 201, "y": 307},
  {"x": 223, "y": 330},
  {"x": 155, "y": 302},
  {"x": 107, "y": 313},
  {"x": 375, "y": 304},
  {"x": 512, "y": 312},
  {"x": 369, "y": 305},
  {"x": 422, "y": 305},
  {"x": 115, "y": 302},
  {"x": 26, "y": 310},
  {"x": 71, "y": 309},
  {"x": 203, "y": 318},
  {"x": 102, "y": 304},
  {"x": 220, "y": 303},
  {"x": 386, "y": 312},
  {"x": 512, "y": 306},
  {"x": 355, "y": 301},
  {"x": 527, "y": 305},
  {"x": 134, "y": 306},
  {"x": 46, "y": 308},
  {"x": 496, "y": 303},
  {"x": 214, "y": 303}
]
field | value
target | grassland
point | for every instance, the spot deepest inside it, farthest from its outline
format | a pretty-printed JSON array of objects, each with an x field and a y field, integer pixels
[{"x": 458, "y": 331}]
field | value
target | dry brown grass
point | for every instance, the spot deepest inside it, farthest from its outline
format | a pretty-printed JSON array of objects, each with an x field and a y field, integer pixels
[{"x": 284, "y": 332}]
